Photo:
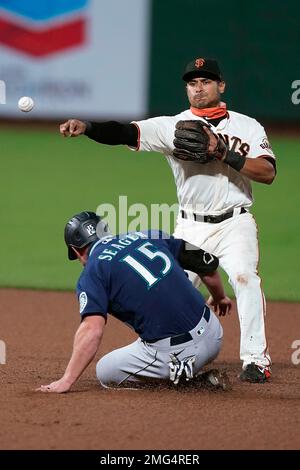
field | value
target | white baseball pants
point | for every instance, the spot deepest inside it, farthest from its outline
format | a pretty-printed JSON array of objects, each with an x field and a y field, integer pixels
[{"x": 235, "y": 243}]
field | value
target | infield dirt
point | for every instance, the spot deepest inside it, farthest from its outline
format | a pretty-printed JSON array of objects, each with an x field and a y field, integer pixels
[{"x": 38, "y": 329}]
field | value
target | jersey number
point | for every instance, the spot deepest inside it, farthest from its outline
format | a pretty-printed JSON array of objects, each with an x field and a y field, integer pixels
[{"x": 151, "y": 253}]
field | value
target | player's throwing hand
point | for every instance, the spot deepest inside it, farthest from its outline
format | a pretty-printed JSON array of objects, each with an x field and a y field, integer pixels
[{"x": 72, "y": 128}]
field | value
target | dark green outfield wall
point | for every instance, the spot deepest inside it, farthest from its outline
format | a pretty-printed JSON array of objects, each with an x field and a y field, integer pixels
[{"x": 257, "y": 44}]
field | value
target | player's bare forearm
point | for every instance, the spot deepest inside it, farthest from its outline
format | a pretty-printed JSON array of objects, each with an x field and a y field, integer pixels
[
  {"x": 218, "y": 301},
  {"x": 214, "y": 285},
  {"x": 86, "y": 343},
  {"x": 259, "y": 169}
]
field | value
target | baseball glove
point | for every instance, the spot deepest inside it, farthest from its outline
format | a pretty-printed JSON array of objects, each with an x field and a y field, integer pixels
[{"x": 194, "y": 141}]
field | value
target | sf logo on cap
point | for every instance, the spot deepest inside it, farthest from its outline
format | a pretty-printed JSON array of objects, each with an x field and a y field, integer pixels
[{"x": 199, "y": 63}]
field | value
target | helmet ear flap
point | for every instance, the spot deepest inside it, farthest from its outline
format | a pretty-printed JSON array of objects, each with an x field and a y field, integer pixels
[
  {"x": 77, "y": 236},
  {"x": 71, "y": 253}
]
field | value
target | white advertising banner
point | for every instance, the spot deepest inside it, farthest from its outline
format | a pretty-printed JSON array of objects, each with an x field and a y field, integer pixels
[{"x": 75, "y": 58}]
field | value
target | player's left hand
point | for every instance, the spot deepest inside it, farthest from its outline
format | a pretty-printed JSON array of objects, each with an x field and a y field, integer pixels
[
  {"x": 221, "y": 307},
  {"x": 59, "y": 386},
  {"x": 195, "y": 141}
]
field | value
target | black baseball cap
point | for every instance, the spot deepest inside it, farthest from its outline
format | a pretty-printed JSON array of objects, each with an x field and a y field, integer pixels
[{"x": 202, "y": 67}]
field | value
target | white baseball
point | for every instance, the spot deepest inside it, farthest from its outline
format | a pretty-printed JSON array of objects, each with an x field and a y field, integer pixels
[{"x": 25, "y": 104}]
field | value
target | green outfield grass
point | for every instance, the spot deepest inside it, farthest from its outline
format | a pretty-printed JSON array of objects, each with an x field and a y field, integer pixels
[{"x": 45, "y": 179}]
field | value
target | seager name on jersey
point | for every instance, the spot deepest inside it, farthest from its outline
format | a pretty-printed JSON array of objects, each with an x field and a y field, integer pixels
[{"x": 120, "y": 244}]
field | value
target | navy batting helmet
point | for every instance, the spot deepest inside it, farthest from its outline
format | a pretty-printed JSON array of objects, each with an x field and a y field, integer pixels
[{"x": 82, "y": 230}]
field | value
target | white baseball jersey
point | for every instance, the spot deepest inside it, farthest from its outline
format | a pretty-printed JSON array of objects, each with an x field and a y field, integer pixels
[{"x": 212, "y": 188}]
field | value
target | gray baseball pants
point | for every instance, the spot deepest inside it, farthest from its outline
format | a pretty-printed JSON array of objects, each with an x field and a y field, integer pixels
[{"x": 141, "y": 362}]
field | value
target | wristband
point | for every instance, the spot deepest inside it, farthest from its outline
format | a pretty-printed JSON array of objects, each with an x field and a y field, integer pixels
[{"x": 235, "y": 160}]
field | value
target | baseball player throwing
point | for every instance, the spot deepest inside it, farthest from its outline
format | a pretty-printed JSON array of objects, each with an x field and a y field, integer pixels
[
  {"x": 131, "y": 277},
  {"x": 214, "y": 154}
]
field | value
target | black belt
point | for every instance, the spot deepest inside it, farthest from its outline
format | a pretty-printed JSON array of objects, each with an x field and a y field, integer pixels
[
  {"x": 183, "y": 337},
  {"x": 212, "y": 219}
]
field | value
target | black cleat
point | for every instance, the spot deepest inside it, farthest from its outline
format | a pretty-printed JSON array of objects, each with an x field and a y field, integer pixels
[{"x": 255, "y": 374}]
